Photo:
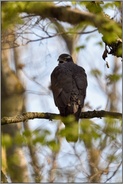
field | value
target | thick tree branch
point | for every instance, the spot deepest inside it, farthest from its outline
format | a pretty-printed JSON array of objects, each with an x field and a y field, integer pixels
[
  {"x": 32, "y": 115},
  {"x": 109, "y": 28}
]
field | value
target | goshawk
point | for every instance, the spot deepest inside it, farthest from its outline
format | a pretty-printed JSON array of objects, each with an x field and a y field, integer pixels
[{"x": 68, "y": 84}]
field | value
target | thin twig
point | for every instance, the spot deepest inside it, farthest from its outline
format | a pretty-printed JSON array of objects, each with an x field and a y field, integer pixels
[{"x": 113, "y": 173}]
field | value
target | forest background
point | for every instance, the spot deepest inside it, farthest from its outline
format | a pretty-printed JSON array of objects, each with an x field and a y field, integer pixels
[{"x": 34, "y": 34}]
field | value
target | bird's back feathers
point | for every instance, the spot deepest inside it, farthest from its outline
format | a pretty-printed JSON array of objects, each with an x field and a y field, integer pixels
[{"x": 68, "y": 84}]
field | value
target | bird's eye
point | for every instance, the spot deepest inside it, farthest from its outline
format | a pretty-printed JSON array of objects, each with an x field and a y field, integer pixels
[{"x": 61, "y": 62}]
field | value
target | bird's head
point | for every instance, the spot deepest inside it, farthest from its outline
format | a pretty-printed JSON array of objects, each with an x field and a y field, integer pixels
[{"x": 65, "y": 58}]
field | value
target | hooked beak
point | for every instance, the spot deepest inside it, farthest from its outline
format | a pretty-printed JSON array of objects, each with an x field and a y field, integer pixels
[{"x": 61, "y": 60}]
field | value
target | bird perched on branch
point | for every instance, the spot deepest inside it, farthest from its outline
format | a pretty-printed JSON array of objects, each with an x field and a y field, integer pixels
[{"x": 68, "y": 84}]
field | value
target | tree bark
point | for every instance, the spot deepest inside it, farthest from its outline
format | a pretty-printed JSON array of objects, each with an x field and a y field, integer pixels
[{"x": 12, "y": 103}]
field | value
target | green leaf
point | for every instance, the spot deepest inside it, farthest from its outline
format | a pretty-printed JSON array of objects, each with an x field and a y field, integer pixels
[
  {"x": 39, "y": 136},
  {"x": 113, "y": 78},
  {"x": 90, "y": 131},
  {"x": 100, "y": 43},
  {"x": 53, "y": 145},
  {"x": 111, "y": 158},
  {"x": 113, "y": 4},
  {"x": 39, "y": 139},
  {"x": 10, "y": 15},
  {"x": 6, "y": 140},
  {"x": 27, "y": 133},
  {"x": 80, "y": 47},
  {"x": 68, "y": 120},
  {"x": 70, "y": 132},
  {"x": 96, "y": 73},
  {"x": 19, "y": 139},
  {"x": 112, "y": 127}
]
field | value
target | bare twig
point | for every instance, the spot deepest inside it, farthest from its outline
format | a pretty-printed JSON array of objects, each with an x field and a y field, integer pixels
[
  {"x": 37, "y": 168},
  {"x": 32, "y": 115},
  {"x": 114, "y": 172},
  {"x": 58, "y": 34}
]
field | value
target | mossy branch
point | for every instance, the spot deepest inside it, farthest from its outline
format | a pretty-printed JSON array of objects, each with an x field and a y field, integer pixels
[
  {"x": 33, "y": 115},
  {"x": 110, "y": 29}
]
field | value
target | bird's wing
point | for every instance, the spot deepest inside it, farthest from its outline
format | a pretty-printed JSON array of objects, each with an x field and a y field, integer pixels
[
  {"x": 80, "y": 79},
  {"x": 61, "y": 85}
]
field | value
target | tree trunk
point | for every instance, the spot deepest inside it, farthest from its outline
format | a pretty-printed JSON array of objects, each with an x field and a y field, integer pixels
[{"x": 12, "y": 104}]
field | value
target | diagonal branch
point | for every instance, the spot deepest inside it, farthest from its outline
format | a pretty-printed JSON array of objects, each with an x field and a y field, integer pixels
[
  {"x": 33, "y": 115},
  {"x": 109, "y": 28},
  {"x": 114, "y": 172}
]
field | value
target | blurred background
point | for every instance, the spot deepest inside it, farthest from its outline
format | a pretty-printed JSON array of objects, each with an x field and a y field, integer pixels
[{"x": 33, "y": 151}]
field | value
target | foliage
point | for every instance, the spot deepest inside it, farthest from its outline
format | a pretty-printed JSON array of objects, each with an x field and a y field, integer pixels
[
  {"x": 104, "y": 23},
  {"x": 10, "y": 15},
  {"x": 84, "y": 152}
]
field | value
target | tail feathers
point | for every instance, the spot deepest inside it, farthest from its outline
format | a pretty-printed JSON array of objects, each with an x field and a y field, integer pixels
[{"x": 71, "y": 110}]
